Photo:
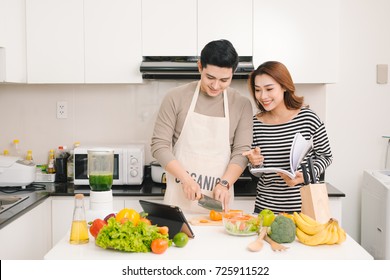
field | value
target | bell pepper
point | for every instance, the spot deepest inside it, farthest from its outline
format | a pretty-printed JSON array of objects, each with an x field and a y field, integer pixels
[{"x": 96, "y": 226}]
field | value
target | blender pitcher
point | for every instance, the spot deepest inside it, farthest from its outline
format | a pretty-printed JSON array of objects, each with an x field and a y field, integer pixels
[{"x": 100, "y": 169}]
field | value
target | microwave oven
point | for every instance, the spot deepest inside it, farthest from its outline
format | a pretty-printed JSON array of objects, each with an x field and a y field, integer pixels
[{"x": 129, "y": 161}]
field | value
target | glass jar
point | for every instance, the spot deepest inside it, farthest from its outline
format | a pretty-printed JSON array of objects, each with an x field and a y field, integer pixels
[{"x": 100, "y": 169}]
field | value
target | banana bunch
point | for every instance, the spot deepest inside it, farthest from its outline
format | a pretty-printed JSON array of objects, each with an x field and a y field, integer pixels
[{"x": 312, "y": 233}]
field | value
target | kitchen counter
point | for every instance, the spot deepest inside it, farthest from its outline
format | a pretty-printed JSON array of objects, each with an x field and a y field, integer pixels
[{"x": 210, "y": 242}]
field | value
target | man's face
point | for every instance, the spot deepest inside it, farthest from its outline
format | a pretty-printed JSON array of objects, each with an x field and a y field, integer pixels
[{"x": 214, "y": 79}]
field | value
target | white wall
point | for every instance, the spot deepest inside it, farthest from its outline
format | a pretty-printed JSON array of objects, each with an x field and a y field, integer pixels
[{"x": 357, "y": 109}]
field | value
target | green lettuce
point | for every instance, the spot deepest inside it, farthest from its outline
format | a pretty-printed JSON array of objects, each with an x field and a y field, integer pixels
[{"x": 128, "y": 237}]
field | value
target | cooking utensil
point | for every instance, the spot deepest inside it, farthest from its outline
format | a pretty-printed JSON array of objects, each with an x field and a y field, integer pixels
[
  {"x": 275, "y": 246},
  {"x": 305, "y": 175},
  {"x": 312, "y": 173},
  {"x": 210, "y": 203},
  {"x": 158, "y": 173},
  {"x": 258, "y": 244}
]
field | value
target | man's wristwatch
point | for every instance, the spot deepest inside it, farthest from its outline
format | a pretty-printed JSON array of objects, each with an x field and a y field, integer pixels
[{"x": 225, "y": 183}]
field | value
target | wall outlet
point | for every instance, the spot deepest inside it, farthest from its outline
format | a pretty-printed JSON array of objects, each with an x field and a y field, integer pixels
[{"x": 62, "y": 109}]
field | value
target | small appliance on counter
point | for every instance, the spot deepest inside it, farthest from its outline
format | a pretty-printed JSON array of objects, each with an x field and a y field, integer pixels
[
  {"x": 100, "y": 176},
  {"x": 15, "y": 172},
  {"x": 129, "y": 161}
]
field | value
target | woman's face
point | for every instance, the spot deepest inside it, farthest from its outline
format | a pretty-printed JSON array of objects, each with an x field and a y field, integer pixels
[
  {"x": 268, "y": 92},
  {"x": 214, "y": 80}
]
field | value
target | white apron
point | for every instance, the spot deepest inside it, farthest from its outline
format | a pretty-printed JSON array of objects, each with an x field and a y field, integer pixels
[{"x": 203, "y": 149}]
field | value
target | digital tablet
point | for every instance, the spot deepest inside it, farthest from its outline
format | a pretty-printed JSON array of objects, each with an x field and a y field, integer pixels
[{"x": 167, "y": 215}]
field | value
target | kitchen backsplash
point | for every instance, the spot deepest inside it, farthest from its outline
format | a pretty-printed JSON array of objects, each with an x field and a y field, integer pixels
[{"x": 96, "y": 114}]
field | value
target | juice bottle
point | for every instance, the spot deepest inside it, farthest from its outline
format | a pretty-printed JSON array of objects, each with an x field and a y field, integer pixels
[
  {"x": 51, "y": 163},
  {"x": 79, "y": 231}
]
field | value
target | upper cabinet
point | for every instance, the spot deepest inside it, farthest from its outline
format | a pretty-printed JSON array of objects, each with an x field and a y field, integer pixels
[
  {"x": 183, "y": 28},
  {"x": 12, "y": 41},
  {"x": 302, "y": 34},
  {"x": 226, "y": 19},
  {"x": 86, "y": 41},
  {"x": 112, "y": 41},
  {"x": 103, "y": 41},
  {"x": 169, "y": 28},
  {"x": 55, "y": 41}
]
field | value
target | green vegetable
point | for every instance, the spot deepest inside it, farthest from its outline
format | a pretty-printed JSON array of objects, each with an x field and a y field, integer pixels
[
  {"x": 129, "y": 238},
  {"x": 282, "y": 230}
]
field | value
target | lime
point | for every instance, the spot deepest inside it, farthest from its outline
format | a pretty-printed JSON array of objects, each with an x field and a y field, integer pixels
[{"x": 180, "y": 239}]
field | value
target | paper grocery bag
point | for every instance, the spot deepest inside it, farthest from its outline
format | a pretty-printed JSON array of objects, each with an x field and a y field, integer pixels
[{"x": 315, "y": 202}]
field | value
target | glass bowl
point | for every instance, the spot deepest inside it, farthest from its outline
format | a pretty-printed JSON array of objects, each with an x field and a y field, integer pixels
[{"x": 240, "y": 224}]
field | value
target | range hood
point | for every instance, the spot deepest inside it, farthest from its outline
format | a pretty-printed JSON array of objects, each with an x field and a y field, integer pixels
[{"x": 185, "y": 67}]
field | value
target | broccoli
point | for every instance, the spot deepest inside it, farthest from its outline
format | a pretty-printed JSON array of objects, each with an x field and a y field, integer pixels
[{"x": 282, "y": 230}]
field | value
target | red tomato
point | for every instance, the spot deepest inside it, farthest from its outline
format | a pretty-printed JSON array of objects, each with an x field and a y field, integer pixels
[
  {"x": 96, "y": 226},
  {"x": 159, "y": 245}
]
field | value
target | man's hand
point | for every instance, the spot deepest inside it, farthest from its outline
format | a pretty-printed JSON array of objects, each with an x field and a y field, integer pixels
[
  {"x": 191, "y": 189},
  {"x": 222, "y": 194}
]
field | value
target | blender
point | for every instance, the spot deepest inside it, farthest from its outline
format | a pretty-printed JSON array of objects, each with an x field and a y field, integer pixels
[{"x": 100, "y": 175}]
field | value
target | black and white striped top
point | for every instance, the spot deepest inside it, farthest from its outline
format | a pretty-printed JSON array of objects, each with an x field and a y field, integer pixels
[{"x": 275, "y": 142}]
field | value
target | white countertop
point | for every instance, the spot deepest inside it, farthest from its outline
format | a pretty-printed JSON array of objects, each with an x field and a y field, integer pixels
[{"x": 212, "y": 242}]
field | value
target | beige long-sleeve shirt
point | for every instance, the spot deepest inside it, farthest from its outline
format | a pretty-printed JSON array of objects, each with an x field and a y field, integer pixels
[{"x": 173, "y": 112}]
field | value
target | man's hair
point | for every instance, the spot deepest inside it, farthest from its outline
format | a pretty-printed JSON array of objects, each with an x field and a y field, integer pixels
[{"x": 219, "y": 53}]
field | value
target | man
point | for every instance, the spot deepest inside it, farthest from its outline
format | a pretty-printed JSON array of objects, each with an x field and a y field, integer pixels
[{"x": 201, "y": 131}]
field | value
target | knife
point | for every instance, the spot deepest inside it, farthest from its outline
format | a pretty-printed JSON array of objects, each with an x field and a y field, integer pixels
[
  {"x": 305, "y": 175},
  {"x": 210, "y": 203},
  {"x": 312, "y": 173}
]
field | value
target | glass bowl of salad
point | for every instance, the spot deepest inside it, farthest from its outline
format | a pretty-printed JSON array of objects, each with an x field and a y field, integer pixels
[{"x": 241, "y": 224}]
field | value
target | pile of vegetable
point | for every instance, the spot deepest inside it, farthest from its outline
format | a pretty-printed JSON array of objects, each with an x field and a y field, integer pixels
[
  {"x": 129, "y": 237},
  {"x": 130, "y": 231}
]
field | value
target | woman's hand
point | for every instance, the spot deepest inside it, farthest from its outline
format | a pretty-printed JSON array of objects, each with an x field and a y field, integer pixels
[
  {"x": 292, "y": 182},
  {"x": 222, "y": 194},
  {"x": 254, "y": 156}
]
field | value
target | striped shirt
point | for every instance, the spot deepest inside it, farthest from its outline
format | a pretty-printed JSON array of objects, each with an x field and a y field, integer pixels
[{"x": 275, "y": 142}]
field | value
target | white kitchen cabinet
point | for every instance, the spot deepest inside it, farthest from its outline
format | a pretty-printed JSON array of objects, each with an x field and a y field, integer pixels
[
  {"x": 86, "y": 41},
  {"x": 169, "y": 28},
  {"x": 28, "y": 237},
  {"x": 13, "y": 41},
  {"x": 55, "y": 41},
  {"x": 112, "y": 41},
  {"x": 183, "y": 28},
  {"x": 302, "y": 34},
  {"x": 62, "y": 214},
  {"x": 226, "y": 19}
]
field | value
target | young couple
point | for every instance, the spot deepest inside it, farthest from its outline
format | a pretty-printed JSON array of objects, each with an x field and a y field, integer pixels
[{"x": 205, "y": 130}]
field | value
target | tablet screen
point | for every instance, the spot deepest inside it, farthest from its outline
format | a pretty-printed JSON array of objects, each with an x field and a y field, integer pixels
[{"x": 167, "y": 215}]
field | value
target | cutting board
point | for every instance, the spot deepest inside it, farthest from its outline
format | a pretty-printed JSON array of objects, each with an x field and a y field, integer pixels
[{"x": 204, "y": 221}]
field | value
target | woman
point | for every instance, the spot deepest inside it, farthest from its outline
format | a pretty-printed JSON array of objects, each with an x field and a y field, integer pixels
[{"x": 281, "y": 115}]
